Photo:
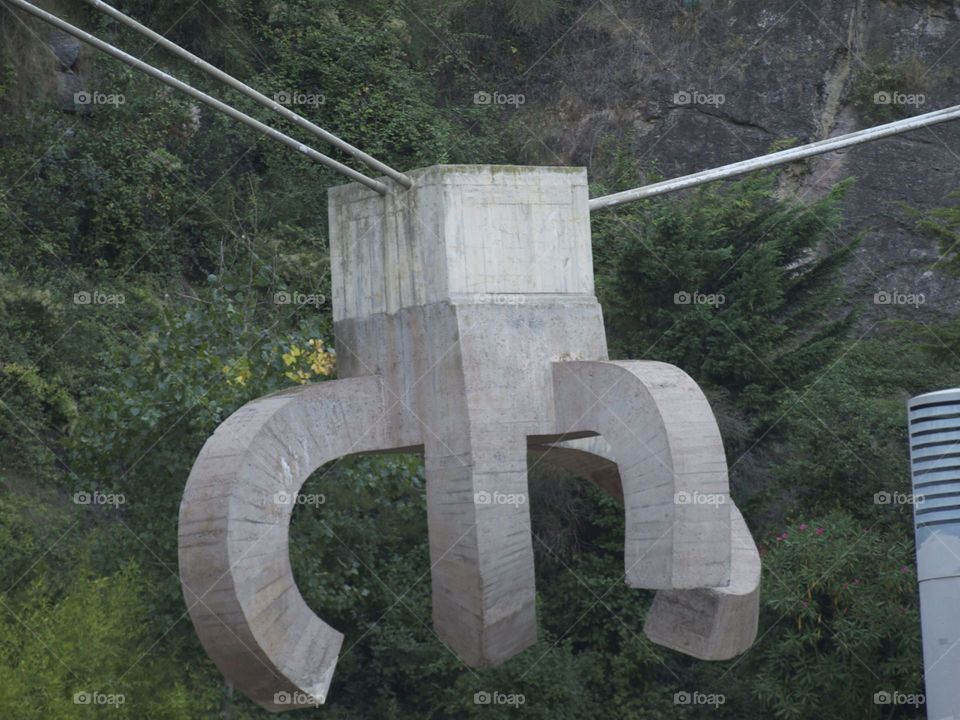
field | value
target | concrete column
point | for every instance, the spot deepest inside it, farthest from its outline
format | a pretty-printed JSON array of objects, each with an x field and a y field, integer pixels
[{"x": 460, "y": 293}]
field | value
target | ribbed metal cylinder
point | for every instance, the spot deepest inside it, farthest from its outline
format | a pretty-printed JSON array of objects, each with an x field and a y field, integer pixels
[{"x": 934, "y": 426}]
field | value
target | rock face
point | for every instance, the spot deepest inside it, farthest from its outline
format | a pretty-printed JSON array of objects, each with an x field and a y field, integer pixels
[
  {"x": 720, "y": 82},
  {"x": 66, "y": 50},
  {"x": 65, "y": 47}
]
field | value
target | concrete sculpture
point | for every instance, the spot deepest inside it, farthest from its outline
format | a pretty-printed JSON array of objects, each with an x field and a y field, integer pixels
[{"x": 467, "y": 330}]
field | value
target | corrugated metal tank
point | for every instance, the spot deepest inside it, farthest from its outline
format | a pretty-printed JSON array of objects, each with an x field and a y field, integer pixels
[{"x": 934, "y": 425}]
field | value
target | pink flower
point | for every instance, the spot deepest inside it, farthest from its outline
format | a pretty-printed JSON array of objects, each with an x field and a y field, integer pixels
[
  {"x": 803, "y": 527},
  {"x": 819, "y": 531}
]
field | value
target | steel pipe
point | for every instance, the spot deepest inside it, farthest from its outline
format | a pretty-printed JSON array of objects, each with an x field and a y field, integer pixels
[
  {"x": 198, "y": 95},
  {"x": 777, "y": 158},
  {"x": 259, "y": 97}
]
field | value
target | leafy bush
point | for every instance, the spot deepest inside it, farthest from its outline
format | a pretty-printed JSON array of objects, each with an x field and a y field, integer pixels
[
  {"x": 840, "y": 608},
  {"x": 161, "y": 394},
  {"x": 75, "y": 638},
  {"x": 35, "y": 406},
  {"x": 843, "y": 439}
]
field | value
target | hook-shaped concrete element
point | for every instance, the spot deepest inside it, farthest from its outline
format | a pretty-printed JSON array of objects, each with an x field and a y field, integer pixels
[
  {"x": 672, "y": 467},
  {"x": 709, "y": 623},
  {"x": 234, "y": 529},
  {"x": 467, "y": 329}
]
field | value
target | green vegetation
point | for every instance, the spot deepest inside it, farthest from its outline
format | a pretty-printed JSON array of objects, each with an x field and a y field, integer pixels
[
  {"x": 730, "y": 287},
  {"x": 944, "y": 225},
  {"x": 887, "y": 91},
  {"x": 144, "y": 247}
]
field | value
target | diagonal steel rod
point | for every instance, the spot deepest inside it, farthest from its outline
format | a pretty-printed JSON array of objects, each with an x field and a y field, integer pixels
[
  {"x": 198, "y": 95},
  {"x": 777, "y": 158},
  {"x": 259, "y": 97}
]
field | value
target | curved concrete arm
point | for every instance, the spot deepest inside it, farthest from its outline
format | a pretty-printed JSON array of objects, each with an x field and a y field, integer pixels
[
  {"x": 234, "y": 529},
  {"x": 667, "y": 447},
  {"x": 713, "y": 623},
  {"x": 707, "y": 623}
]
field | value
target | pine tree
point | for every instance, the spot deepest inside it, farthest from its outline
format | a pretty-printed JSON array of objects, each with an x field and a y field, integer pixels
[{"x": 735, "y": 286}]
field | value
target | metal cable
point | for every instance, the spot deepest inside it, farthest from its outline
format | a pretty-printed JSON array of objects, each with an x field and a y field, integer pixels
[
  {"x": 259, "y": 97},
  {"x": 198, "y": 95},
  {"x": 777, "y": 158}
]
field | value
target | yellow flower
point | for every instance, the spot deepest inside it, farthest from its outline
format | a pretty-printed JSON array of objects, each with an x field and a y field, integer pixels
[
  {"x": 321, "y": 363},
  {"x": 238, "y": 373},
  {"x": 290, "y": 358},
  {"x": 304, "y": 364},
  {"x": 298, "y": 376}
]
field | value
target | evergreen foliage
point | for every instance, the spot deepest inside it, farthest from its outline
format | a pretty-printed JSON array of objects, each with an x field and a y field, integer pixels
[{"x": 194, "y": 228}]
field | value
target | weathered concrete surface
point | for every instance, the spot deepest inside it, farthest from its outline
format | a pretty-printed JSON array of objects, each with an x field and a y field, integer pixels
[
  {"x": 477, "y": 281},
  {"x": 462, "y": 231},
  {"x": 465, "y": 314},
  {"x": 234, "y": 529},
  {"x": 710, "y": 623},
  {"x": 673, "y": 471},
  {"x": 713, "y": 623}
]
